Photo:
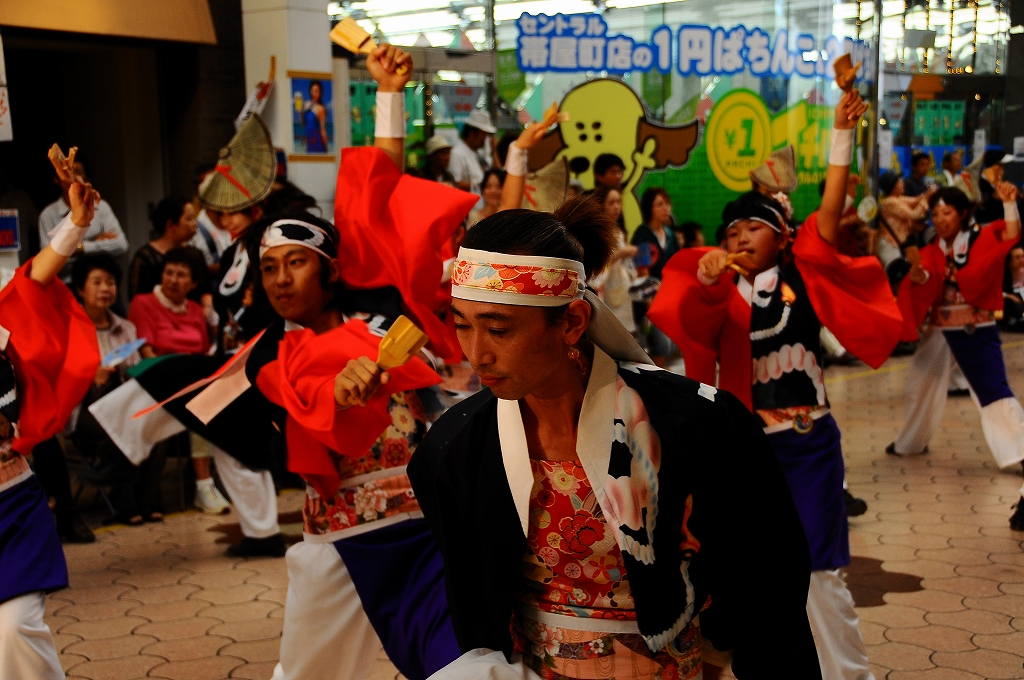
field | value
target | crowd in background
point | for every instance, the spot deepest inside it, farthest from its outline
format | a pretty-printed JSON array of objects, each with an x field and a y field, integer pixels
[{"x": 167, "y": 297}]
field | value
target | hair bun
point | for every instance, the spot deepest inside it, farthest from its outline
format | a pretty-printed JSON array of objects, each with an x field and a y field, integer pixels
[{"x": 586, "y": 220}]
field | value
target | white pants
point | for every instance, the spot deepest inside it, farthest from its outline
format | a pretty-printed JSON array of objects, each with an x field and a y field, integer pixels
[
  {"x": 485, "y": 664},
  {"x": 833, "y": 620},
  {"x": 251, "y": 492},
  {"x": 957, "y": 381},
  {"x": 27, "y": 651},
  {"x": 928, "y": 379},
  {"x": 326, "y": 635}
]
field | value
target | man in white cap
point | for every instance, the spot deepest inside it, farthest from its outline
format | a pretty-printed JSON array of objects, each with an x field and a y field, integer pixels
[
  {"x": 439, "y": 156},
  {"x": 465, "y": 164}
]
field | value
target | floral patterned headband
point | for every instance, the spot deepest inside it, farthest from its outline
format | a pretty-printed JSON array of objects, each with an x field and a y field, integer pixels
[{"x": 499, "y": 278}]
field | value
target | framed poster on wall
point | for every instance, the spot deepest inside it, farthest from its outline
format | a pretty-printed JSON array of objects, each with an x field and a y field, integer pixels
[{"x": 312, "y": 94}]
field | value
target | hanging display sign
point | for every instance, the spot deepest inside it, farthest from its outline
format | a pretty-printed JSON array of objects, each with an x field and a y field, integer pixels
[
  {"x": 580, "y": 42},
  {"x": 459, "y": 99},
  {"x": 10, "y": 235}
]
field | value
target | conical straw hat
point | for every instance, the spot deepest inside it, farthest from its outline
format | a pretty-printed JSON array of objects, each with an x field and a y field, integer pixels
[
  {"x": 778, "y": 172},
  {"x": 969, "y": 181},
  {"x": 545, "y": 189},
  {"x": 245, "y": 170}
]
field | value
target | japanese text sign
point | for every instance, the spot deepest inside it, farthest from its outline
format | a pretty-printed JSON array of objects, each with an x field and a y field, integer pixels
[{"x": 580, "y": 42}]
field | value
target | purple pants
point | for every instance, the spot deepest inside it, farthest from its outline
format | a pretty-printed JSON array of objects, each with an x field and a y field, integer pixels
[
  {"x": 399, "y": 575},
  {"x": 813, "y": 466},
  {"x": 980, "y": 356},
  {"x": 31, "y": 557}
]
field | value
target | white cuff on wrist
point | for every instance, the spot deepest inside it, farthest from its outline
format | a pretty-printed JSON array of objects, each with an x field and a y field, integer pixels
[
  {"x": 66, "y": 236},
  {"x": 390, "y": 121},
  {"x": 842, "y": 147},
  {"x": 1010, "y": 212},
  {"x": 516, "y": 162}
]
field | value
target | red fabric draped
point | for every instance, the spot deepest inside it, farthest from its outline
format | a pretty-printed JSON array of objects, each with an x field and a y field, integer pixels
[
  {"x": 851, "y": 296},
  {"x": 54, "y": 351},
  {"x": 301, "y": 380},
  {"x": 981, "y": 279},
  {"x": 711, "y": 324},
  {"x": 393, "y": 230},
  {"x": 916, "y": 299},
  {"x": 708, "y": 323}
]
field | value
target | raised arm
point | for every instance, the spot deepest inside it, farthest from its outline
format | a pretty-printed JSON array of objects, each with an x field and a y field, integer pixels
[
  {"x": 516, "y": 163},
  {"x": 1007, "y": 193},
  {"x": 389, "y": 134},
  {"x": 848, "y": 113},
  {"x": 68, "y": 234}
]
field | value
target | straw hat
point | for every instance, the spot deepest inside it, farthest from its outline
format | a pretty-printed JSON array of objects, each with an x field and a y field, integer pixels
[
  {"x": 545, "y": 189},
  {"x": 245, "y": 171},
  {"x": 481, "y": 120},
  {"x": 778, "y": 172},
  {"x": 436, "y": 143}
]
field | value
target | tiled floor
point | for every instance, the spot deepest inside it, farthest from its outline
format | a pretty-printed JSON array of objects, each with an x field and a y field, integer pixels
[{"x": 948, "y": 599}]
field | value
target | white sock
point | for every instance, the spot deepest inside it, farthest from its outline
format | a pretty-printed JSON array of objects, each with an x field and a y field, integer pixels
[{"x": 205, "y": 483}]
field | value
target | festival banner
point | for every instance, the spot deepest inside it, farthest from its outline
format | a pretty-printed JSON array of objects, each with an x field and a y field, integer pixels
[{"x": 581, "y": 43}]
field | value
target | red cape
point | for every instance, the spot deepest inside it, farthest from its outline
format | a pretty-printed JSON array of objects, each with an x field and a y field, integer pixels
[
  {"x": 54, "y": 351},
  {"x": 301, "y": 380},
  {"x": 916, "y": 299},
  {"x": 981, "y": 279},
  {"x": 708, "y": 323},
  {"x": 393, "y": 230},
  {"x": 711, "y": 324},
  {"x": 851, "y": 296}
]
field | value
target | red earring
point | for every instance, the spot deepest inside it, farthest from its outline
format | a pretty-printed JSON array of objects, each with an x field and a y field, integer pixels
[{"x": 575, "y": 355}]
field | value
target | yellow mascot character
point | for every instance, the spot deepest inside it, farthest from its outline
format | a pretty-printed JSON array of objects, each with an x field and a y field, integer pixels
[{"x": 606, "y": 116}]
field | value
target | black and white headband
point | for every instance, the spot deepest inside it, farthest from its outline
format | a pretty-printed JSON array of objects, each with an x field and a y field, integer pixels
[
  {"x": 760, "y": 211},
  {"x": 299, "y": 233}
]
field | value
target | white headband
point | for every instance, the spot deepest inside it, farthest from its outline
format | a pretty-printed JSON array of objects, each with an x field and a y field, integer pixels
[
  {"x": 775, "y": 227},
  {"x": 294, "y": 232},
  {"x": 525, "y": 280}
]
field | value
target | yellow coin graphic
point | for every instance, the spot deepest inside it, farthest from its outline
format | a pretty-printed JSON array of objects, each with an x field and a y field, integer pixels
[{"x": 738, "y": 138}]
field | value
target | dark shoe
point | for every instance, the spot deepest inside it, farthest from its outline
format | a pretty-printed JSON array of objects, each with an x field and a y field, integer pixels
[
  {"x": 271, "y": 546},
  {"x": 129, "y": 517},
  {"x": 1017, "y": 520},
  {"x": 958, "y": 393},
  {"x": 891, "y": 450},
  {"x": 108, "y": 475},
  {"x": 72, "y": 529},
  {"x": 904, "y": 349},
  {"x": 855, "y": 507},
  {"x": 844, "y": 359}
]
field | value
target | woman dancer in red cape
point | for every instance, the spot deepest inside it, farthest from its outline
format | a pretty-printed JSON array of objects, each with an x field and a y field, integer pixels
[
  {"x": 955, "y": 291},
  {"x": 48, "y": 359}
]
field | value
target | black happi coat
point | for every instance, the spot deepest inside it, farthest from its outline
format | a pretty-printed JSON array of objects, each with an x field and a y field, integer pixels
[
  {"x": 782, "y": 317},
  {"x": 752, "y": 560}
]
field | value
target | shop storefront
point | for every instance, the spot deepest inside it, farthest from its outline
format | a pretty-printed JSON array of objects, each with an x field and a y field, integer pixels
[{"x": 755, "y": 74}]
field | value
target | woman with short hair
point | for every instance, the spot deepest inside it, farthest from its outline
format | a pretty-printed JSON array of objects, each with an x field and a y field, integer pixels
[
  {"x": 174, "y": 223},
  {"x": 174, "y": 324},
  {"x": 95, "y": 279}
]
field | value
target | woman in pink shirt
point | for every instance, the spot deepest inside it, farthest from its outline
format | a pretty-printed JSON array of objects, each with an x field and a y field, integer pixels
[
  {"x": 170, "y": 322},
  {"x": 173, "y": 324}
]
